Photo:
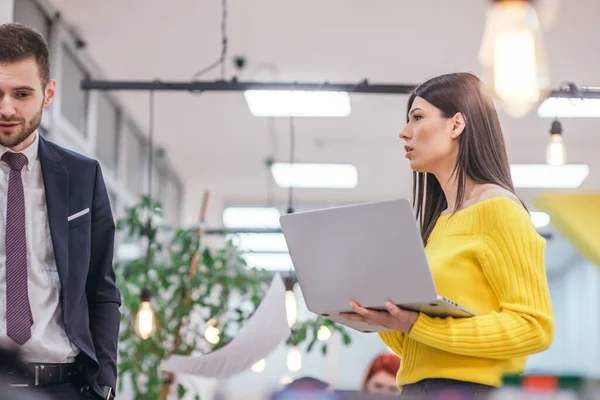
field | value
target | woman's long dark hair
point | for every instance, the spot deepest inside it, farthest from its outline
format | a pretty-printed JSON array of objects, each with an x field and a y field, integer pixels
[{"x": 482, "y": 152}]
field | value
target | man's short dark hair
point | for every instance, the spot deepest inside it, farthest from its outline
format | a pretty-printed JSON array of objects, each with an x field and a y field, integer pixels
[{"x": 19, "y": 43}]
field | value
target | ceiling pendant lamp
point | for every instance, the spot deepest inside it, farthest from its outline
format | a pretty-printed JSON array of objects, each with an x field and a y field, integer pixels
[
  {"x": 555, "y": 151},
  {"x": 512, "y": 55}
]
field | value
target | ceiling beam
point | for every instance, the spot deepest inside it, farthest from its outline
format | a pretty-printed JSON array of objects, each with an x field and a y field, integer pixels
[
  {"x": 570, "y": 90},
  {"x": 237, "y": 86}
]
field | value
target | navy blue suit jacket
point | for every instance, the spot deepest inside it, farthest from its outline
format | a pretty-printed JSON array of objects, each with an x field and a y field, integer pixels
[{"x": 83, "y": 249}]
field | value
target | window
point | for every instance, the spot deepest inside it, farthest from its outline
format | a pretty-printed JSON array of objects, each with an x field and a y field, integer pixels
[
  {"x": 113, "y": 202},
  {"x": 74, "y": 101},
  {"x": 107, "y": 133},
  {"x": 27, "y": 12},
  {"x": 175, "y": 201},
  {"x": 136, "y": 160},
  {"x": 168, "y": 192},
  {"x": 44, "y": 132},
  {"x": 160, "y": 185}
]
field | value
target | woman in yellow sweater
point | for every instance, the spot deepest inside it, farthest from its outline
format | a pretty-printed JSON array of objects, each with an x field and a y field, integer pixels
[{"x": 482, "y": 247}]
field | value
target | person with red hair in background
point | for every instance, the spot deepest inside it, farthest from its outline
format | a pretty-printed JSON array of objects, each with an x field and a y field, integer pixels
[{"x": 381, "y": 375}]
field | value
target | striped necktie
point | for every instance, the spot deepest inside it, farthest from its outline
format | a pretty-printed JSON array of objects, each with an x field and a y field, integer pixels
[{"x": 18, "y": 311}]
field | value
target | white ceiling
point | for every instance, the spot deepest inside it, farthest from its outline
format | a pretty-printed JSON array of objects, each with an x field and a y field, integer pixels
[{"x": 216, "y": 144}]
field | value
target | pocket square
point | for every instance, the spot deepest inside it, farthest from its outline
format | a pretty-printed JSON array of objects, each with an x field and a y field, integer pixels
[{"x": 78, "y": 214}]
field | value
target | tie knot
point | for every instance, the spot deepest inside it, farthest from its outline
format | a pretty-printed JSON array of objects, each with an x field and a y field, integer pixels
[{"x": 16, "y": 161}]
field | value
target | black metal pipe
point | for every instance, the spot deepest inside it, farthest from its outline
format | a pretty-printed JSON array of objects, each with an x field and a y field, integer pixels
[
  {"x": 583, "y": 93},
  {"x": 237, "y": 86}
]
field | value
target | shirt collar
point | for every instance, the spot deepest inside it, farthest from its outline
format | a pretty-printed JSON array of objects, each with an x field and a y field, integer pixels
[{"x": 31, "y": 151}]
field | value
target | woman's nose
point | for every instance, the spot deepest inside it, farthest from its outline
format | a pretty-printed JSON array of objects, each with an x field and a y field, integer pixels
[{"x": 405, "y": 134}]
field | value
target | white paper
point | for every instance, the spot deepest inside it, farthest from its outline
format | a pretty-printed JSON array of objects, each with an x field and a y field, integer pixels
[{"x": 261, "y": 334}]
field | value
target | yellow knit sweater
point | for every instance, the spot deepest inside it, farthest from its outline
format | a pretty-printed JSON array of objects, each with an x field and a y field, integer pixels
[{"x": 489, "y": 258}]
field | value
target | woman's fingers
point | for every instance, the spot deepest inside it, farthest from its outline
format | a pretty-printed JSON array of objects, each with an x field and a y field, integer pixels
[{"x": 381, "y": 318}]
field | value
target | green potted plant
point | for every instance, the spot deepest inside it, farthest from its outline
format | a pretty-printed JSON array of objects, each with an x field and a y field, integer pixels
[{"x": 181, "y": 286}]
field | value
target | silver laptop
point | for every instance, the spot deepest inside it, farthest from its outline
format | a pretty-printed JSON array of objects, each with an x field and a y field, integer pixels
[{"x": 370, "y": 253}]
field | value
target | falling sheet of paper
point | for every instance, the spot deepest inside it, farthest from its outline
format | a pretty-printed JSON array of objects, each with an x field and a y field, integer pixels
[{"x": 261, "y": 334}]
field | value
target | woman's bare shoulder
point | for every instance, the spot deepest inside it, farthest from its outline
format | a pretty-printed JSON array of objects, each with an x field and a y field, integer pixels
[{"x": 490, "y": 191}]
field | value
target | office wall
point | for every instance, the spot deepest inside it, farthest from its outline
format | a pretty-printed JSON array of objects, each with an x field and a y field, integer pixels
[
  {"x": 575, "y": 291},
  {"x": 6, "y": 11}
]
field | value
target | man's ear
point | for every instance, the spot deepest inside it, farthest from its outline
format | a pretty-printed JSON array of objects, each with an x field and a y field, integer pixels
[
  {"x": 458, "y": 124},
  {"x": 49, "y": 92}
]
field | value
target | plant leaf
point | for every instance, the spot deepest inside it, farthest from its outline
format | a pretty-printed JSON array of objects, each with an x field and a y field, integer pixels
[{"x": 181, "y": 391}]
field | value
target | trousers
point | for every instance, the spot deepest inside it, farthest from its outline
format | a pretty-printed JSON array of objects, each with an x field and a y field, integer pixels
[
  {"x": 446, "y": 389},
  {"x": 66, "y": 391}
]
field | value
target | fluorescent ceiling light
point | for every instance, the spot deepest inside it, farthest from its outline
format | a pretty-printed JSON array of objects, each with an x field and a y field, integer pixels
[
  {"x": 260, "y": 242},
  {"x": 568, "y": 176},
  {"x": 540, "y": 219},
  {"x": 335, "y": 176},
  {"x": 293, "y": 103},
  {"x": 251, "y": 217},
  {"x": 269, "y": 261},
  {"x": 564, "y": 107}
]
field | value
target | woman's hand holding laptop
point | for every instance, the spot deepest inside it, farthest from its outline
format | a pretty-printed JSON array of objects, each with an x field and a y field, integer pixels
[{"x": 394, "y": 318}]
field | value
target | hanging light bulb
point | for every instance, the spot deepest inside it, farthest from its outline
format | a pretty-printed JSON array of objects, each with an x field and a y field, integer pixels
[
  {"x": 259, "y": 366},
  {"x": 291, "y": 307},
  {"x": 294, "y": 359},
  {"x": 555, "y": 152},
  {"x": 512, "y": 55},
  {"x": 211, "y": 334},
  {"x": 324, "y": 333},
  {"x": 145, "y": 321}
]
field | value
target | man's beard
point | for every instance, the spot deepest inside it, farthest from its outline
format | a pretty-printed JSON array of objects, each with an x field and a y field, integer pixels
[{"x": 28, "y": 127}]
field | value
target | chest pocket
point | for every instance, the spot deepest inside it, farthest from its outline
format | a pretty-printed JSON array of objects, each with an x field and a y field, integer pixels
[{"x": 79, "y": 218}]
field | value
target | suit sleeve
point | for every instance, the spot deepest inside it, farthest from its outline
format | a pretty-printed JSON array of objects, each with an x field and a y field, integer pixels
[{"x": 102, "y": 293}]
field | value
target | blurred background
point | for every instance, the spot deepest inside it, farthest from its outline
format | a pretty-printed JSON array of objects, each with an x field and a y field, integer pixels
[{"x": 242, "y": 152}]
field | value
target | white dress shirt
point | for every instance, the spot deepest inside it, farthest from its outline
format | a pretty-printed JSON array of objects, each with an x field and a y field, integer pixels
[{"x": 49, "y": 342}]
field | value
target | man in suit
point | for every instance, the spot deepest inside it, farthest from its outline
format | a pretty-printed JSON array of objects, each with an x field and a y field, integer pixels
[
  {"x": 9, "y": 363},
  {"x": 58, "y": 300}
]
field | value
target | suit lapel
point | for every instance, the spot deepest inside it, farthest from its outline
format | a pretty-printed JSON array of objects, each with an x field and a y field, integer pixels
[{"x": 56, "y": 187}]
